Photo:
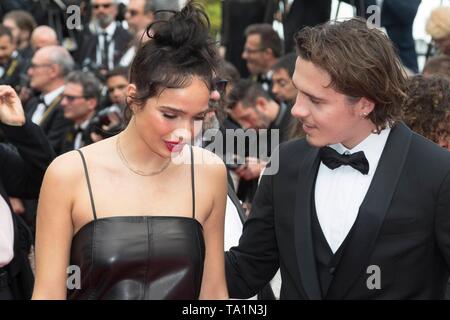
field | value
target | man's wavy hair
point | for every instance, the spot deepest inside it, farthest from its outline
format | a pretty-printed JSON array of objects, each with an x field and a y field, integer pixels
[{"x": 361, "y": 62}]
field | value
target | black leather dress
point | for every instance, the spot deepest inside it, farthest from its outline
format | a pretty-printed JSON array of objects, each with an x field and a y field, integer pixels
[{"x": 138, "y": 257}]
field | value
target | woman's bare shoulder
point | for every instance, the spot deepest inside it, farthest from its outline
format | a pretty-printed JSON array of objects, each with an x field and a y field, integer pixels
[{"x": 209, "y": 163}]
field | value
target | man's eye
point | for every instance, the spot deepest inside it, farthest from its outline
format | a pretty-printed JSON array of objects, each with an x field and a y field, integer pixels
[{"x": 314, "y": 101}]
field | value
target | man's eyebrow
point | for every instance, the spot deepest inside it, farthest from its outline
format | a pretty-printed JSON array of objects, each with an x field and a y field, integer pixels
[{"x": 311, "y": 96}]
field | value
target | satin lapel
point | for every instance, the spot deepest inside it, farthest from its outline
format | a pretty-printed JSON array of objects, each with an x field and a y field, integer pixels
[
  {"x": 372, "y": 212},
  {"x": 237, "y": 203},
  {"x": 303, "y": 233}
]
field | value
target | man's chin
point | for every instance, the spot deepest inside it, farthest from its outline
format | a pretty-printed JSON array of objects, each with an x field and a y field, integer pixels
[{"x": 314, "y": 142}]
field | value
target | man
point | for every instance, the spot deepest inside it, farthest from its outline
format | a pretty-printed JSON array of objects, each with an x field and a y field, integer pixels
[
  {"x": 262, "y": 49},
  {"x": 117, "y": 83},
  {"x": 397, "y": 17},
  {"x": 139, "y": 14},
  {"x": 296, "y": 14},
  {"x": 11, "y": 64},
  {"x": 21, "y": 176},
  {"x": 253, "y": 108},
  {"x": 360, "y": 209},
  {"x": 48, "y": 68},
  {"x": 43, "y": 36},
  {"x": 282, "y": 87},
  {"x": 107, "y": 42},
  {"x": 79, "y": 102}
]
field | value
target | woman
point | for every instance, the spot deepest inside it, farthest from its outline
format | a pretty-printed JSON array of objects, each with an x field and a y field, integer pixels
[
  {"x": 137, "y": 224},
  {"x": 427, "y": 108}
]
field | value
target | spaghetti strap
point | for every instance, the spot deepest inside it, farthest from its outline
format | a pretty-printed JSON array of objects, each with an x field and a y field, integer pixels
[
  {"x": 88, "y": 184},
  {"x": 192, "y": 182}
]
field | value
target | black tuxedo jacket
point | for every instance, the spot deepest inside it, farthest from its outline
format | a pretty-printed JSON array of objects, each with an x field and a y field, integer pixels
[
  {"x": 21, "y": 176},
  {"x": 403, "y": 227},
  {"x": 54, "y": 124}
]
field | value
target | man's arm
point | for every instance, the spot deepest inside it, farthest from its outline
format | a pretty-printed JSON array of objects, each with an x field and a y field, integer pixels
[
  {"x": 21, "y": 173},
  {"x": 253, "y": 263},
  {"x": 442, "y": 221}
]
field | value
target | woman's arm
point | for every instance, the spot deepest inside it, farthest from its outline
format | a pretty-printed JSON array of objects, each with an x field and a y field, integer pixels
[
  {"x": 54, "y": 228},
  {"x": 214, "y": 283}
]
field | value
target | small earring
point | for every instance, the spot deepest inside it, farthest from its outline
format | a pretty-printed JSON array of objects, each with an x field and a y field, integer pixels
[{"x": 364, "y": 115}]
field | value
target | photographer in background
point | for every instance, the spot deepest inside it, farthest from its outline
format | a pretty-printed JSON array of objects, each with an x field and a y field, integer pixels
[{"x": 79, "y": 103}]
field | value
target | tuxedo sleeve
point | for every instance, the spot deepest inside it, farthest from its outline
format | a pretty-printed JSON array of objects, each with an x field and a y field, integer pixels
[
  {"x": 254, "y": 262},
  {"x": 22, "y": 171},
  {"x": 443, "y": 219}
]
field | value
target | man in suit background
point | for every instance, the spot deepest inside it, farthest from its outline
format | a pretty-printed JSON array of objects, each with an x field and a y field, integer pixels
[
  {"x": 79, "y": 101},
  {"x": 21, "y": 176},
  {"x": 105, "y": 41},
  {"x": 48, "y": 68},
  {"x": 261, "y": 51},
  {"x": 360, "y": 209}
]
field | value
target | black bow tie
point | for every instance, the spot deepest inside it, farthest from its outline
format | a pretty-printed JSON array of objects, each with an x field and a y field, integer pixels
[
  {"x": 42, "y": 100},
  {"x": 333, "y": 159}
]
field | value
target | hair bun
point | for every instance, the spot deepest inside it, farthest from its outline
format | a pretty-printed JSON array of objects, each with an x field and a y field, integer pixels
[{"x": 186, "y": 28}]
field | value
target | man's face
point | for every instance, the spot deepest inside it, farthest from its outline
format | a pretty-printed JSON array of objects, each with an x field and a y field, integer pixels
[
  {"x": 282, "y": 86},
  {"x": 255, "y": 55},
  {"x": 249, "y": 117},
  {"x": 104, "y": 12},
  {"x": 11, "y": 25},
  {"x": 7, "y": 47},
  {"x": 117, "y": 89},
  {"x": 76, "y": 107},
  {"x": 136, "y": 18},
  {"x": 327, "y": 116},
  {"x": 39, "y": 71}
]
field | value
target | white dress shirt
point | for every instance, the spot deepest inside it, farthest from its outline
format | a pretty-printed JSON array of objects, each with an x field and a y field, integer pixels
[
  {"x": 48, "y": 99},
  {"x": 110, "y": 30},
  {"x": 6, "y": 234},
  {"x": 340, "y": 192}
]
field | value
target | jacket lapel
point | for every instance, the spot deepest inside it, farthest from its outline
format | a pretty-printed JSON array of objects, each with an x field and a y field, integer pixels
[
  {"x": 303, "y": 233},
  {"x": 372, "y": 212}
]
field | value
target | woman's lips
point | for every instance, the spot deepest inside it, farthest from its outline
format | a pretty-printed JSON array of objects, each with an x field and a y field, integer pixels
[{"x": 173, "y": 146}]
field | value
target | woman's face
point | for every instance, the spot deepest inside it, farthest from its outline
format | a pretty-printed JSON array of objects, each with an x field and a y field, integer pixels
[{"x": 169, "y": 121}]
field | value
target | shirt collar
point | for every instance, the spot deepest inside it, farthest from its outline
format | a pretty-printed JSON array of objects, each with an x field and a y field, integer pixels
[
  {"x": 49, "y": 97},
  {"x": 109, "y": 30},
  {"x": 372, "y": 146}
]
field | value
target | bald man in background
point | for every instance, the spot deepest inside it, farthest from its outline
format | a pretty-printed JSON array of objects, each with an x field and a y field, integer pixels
[{"x": 43, "y": 36}]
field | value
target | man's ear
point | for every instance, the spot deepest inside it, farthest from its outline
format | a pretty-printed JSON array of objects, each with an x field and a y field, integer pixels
[
  {"x": 366, "y": 106},
  {"x": 261, "y": 104},
  {"x": 92, "y": 103}
]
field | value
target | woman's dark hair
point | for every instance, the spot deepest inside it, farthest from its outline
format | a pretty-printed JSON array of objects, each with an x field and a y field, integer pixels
[
  {"x": 427, "y": 105},
  {"x": 179, "y": 48}
]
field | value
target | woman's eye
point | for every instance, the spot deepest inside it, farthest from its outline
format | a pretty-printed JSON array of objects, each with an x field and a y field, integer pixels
[
  {"x": 199, "y": 118},
  {"x": 169, "y": 116}
]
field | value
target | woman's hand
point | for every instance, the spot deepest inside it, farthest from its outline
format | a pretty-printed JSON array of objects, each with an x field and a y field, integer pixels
[{"x": 11, "y": 110}]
